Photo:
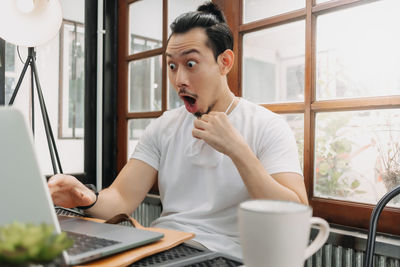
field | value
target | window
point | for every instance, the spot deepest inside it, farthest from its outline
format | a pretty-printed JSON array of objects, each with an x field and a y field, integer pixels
[
  {"x": 135, "y": 130},
  {"x": 273, "y": 64},
  {"x": 72, "y": 80},
  {"x": 145, "y": 93},
  {"x": 348, "y": 64},
  {"x": 340, "y": 93},
  {"x": 357, "y": 155},
  {"x": 259, "y": 9}
]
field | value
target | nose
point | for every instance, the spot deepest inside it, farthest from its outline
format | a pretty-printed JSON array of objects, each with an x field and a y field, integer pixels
[{"x": 181, "y": 78}]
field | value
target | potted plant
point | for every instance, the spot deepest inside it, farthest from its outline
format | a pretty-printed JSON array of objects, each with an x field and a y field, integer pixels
[{"x": 24, "y": 244}]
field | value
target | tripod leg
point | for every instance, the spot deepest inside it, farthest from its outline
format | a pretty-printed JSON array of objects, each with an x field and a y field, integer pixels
[
  {"x": 33, "y": 102},
  {"x": 52, "y": 138},
  {"x": 21, "y": 77},
  {"x": 46, "y": 122}
]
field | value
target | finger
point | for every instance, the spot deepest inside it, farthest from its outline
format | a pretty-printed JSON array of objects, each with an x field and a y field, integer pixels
[
  {"x": 214, "y": 117},
  {"x": 55, "y": 185},
  {"x": 200, "y": 124},
  {"x": 197, "y": 133},
  {"x": 216, "y": 113},
  {"x": 54, "y": 179},
  {"x": 52, "y": 189},
  {"x": 219, "y": 116},
  {"x": 204, "y": 117},
  {"x": 57, "y": 201}
]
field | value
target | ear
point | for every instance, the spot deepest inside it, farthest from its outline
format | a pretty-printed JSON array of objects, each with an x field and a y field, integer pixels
[{"x": 225, "y": 61}]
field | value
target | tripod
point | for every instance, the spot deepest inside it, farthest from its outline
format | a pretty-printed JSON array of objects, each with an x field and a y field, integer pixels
[{"x": 31, "y": 61}]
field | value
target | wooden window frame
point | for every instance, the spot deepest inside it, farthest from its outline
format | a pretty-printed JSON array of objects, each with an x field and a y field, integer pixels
[
  {"x": 124, "y": 59},
  {"x": 335, "y": 211}
]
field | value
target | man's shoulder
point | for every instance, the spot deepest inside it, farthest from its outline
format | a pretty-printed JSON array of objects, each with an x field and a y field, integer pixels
[
  {"x": 171, "y": 118},
  {"x": 174, "y": 114},
  {"x": 165, "y": 125},
  {"x": 257, "y": 111},
  {"x": 262, "y": 120}
]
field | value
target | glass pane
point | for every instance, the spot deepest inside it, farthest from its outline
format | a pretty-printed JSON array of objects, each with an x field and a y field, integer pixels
[
  {"x": 136, "y": 128},
  {"x": 145, "y": 32},
  {"x": 10, "y": 57},
  {"x": 296, "y": 123},
  {"x": 359, "y": 57},
  {"x": 10, "y": 71},
  {"x": 72, "y": 53},
  {"x": 273, "y": 64},
  {"x": 144, "y": 84},
  {"x": 322, "y": 1},
  {"x": 260, "y": 9},
  {"x": 178, "y": 7},
  {"x": 357, "y": 155},
  {"x": 10, "y": 86}
]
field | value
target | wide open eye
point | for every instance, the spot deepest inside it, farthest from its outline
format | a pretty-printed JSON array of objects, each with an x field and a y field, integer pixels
[
  {"x": 191, "y": 63},
  {"x": 172, "y": 66}
]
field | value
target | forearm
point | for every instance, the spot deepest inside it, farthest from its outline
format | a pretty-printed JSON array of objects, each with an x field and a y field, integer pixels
[
  {"x": 258, "y": 182},
  {"x": 110, "y": 203},
  {"x": 126, "y": 192}
]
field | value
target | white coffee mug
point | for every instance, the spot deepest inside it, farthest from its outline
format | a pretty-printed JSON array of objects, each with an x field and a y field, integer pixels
[{"x": 276, "y": 233}]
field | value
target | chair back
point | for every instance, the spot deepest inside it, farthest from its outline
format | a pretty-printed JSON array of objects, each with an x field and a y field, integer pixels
[{"x": 370, "y": 250}]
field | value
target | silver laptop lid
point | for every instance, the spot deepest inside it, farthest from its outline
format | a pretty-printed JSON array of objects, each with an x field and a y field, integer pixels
[
  {"x": 25, "y": 197},
  {"x": 23, "y": 188}
]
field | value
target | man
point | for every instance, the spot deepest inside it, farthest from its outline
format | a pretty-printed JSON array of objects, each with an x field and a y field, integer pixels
[{"x": 229, "y": 151}]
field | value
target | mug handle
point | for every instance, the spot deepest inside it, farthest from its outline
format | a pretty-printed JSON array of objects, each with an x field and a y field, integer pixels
[{"x": 321, "y": 238}]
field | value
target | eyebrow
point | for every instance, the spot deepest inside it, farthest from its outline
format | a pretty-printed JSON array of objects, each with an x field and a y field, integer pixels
[{"x": 184, "y": 53}]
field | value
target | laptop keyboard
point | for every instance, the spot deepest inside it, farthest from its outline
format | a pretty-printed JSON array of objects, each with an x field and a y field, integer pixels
[
  {"x": 85, "y": 243},
  {"x": 69, "y": 212},
  {"x": 185, "y": 255}
]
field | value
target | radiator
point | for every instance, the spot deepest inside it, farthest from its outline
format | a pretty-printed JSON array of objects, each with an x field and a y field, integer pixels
[
  {"x": 148, "y": 210},
  {"x": 337, "y": 256}
]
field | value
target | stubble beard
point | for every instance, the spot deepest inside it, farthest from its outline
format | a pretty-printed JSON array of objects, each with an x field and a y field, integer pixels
[{"x": 199, "y": 114}]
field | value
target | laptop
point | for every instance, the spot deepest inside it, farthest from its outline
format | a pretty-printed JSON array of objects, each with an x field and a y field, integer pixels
[{"x": 25, "y": 197}]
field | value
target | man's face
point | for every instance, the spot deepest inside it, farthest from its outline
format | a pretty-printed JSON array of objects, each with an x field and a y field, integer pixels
[{"x": 193, "y": 71}]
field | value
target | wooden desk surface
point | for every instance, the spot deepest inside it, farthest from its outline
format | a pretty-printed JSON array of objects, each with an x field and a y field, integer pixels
[{"x": 171, "y": 239}]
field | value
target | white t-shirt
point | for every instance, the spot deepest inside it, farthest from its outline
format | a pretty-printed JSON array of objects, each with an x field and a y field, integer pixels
[{"x": 200, "y": 188}]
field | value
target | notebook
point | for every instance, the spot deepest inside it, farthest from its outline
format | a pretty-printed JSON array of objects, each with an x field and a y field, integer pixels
[{"x": 24, "y": 197}]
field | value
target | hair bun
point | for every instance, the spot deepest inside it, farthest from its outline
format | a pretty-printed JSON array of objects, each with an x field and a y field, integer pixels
[{"x": 212, "y": 8}]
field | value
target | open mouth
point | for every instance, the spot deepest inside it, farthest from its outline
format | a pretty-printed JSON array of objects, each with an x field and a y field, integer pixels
[{"x": 190, "y": 100}]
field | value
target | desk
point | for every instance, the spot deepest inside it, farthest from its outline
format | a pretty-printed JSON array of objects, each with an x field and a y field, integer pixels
[{"x": 172, "y": 253}]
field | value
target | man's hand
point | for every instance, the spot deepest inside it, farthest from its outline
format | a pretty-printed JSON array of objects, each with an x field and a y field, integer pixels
[
  {"x": 217, "y": 131},
  {"x": 68, "y": 192}
]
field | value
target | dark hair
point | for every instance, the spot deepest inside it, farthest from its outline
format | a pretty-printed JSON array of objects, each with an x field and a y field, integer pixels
[{"x": 209, "y": 17}]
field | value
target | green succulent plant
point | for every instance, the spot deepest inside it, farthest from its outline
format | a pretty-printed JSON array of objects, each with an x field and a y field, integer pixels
[{"x": 25, "y": 242}]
